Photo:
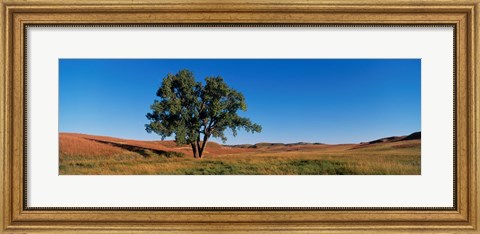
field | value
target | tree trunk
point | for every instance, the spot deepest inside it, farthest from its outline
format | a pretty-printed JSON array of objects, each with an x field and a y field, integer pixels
[
  {"x": 204, "y": 143},
  {"x": 194, "y": 149},
  {"x": 198, "y": 147}
]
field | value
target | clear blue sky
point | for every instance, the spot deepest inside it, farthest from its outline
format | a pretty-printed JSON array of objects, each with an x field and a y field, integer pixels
[{"x": 311, "y": 100}]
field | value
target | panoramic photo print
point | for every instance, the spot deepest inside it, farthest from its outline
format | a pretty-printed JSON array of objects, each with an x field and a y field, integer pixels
[{"x": 239, "y": 116}]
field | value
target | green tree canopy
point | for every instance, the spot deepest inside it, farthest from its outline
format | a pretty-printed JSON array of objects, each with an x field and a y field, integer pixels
[{"x": 194, "y": 112}]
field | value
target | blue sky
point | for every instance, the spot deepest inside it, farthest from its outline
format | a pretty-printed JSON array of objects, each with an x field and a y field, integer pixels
[{"x": 311, "y": 100}]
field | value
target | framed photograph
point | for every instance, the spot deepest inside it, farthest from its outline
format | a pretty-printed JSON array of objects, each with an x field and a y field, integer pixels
[{"x": 290, "y": 116}]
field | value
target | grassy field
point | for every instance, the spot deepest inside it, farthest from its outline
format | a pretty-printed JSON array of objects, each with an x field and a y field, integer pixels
[{"x": 95, "y": 155}]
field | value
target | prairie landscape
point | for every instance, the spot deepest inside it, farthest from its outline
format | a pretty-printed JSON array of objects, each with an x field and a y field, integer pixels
[
  {"x": 298, "y": 116},
  {"x": 82, "y": 154}
]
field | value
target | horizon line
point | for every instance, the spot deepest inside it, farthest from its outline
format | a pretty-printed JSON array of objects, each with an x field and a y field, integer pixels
[{"x": 262, "y": 142}]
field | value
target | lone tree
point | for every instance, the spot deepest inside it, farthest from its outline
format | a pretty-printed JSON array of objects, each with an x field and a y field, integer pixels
[{"x": 194, "y": 112}]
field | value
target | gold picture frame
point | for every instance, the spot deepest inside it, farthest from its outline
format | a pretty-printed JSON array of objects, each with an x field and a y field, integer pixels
[{"x": 464, "y": 15}]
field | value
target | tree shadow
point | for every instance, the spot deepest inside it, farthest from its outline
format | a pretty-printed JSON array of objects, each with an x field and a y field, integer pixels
[{"x": 145, "y": 152}]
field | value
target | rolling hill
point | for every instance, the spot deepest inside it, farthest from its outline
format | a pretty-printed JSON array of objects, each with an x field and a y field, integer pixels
[{"x": 90, "y": 154}]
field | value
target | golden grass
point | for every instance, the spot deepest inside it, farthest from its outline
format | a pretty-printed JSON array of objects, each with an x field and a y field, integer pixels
[
  {"x": 74, "y": 145},
  {"x": 93, "y": 155}
]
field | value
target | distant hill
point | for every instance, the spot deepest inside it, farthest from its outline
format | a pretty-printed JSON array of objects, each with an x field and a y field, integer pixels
[
  {"x": 413, "y": 136},
  {"x": 268, "y": 144},
  {"x": 77, "y": 144}
]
